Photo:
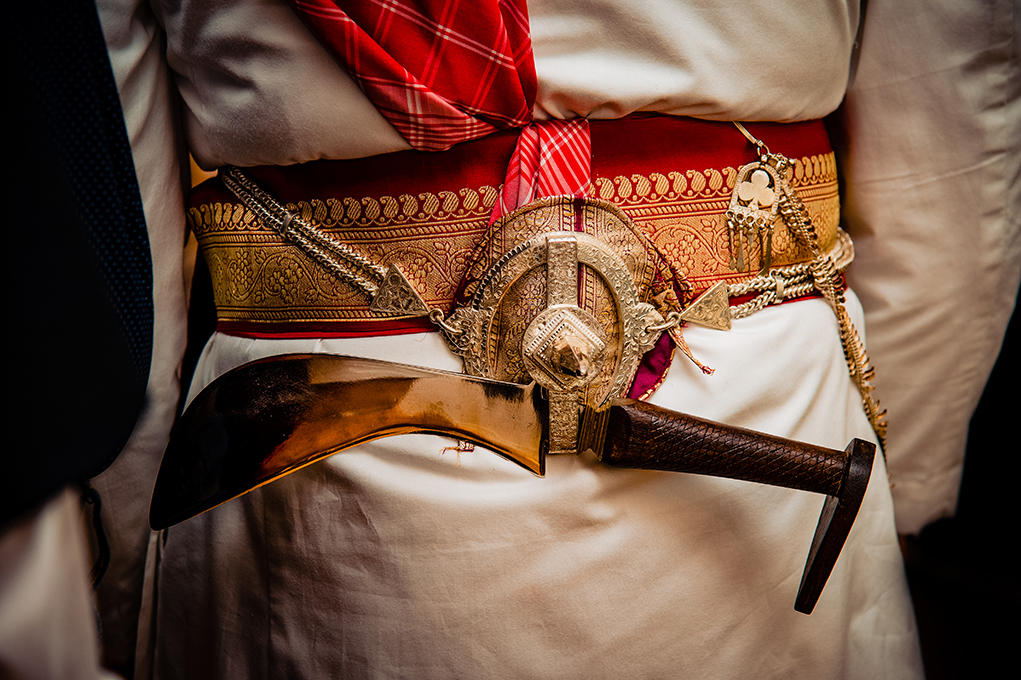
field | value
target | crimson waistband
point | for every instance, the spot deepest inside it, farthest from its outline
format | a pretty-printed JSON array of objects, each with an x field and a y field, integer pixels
[{"x": 428, "y": 211}]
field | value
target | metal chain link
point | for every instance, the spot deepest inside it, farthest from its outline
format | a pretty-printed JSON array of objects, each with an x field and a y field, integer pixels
[
  {"x": 336, "y": 257},
  {"x": 783, "y": 283},
  {"x": 825, "y": 272},
  {"x": 344, "y": 262}
]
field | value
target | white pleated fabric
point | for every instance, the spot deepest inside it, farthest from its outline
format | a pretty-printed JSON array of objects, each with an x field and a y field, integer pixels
[{"x": 402, "y": 559}]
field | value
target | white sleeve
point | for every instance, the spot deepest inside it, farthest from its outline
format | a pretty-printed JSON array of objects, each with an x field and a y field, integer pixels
[
  {"x": 934, "y": 203},
  {"x": 136, "y": 47}
]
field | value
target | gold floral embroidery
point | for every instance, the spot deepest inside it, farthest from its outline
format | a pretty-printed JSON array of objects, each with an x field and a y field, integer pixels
[
  {"x": 682, "y": 213},
  {"x": 258, "y": 277}
]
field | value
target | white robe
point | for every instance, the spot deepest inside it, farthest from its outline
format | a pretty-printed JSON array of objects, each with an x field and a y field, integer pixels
[
  {"x": 397, "y": 560},
  {"x": 400, "y": 559}
]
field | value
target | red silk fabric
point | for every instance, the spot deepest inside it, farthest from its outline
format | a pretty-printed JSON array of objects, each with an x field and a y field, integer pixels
[
  {"x": 552, "y": 158},
  {"x": 444, "y": 72}
]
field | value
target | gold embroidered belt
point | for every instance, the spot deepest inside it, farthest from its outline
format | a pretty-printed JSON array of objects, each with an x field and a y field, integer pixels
[{"x": 429, "y": 213}]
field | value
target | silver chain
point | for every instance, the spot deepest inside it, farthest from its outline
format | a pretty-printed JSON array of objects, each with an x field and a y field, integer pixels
[
  {"x": 786, "y": 283},
  {"x": 336, "y": 257},
  {"x": 825, "y": 274}
]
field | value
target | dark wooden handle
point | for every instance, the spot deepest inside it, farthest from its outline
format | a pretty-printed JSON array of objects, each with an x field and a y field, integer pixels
[{"x": 639, "y": 435}]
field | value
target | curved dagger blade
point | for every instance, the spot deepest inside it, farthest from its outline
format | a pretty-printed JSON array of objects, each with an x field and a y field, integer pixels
[{"x": 268, "y": 418}]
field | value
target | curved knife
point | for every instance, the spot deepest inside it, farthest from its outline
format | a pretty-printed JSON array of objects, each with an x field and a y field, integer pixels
[{"x": 268, "y": 418}]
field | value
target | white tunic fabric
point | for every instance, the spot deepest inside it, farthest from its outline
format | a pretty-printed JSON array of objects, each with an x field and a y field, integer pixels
[
  {"x": 400, "y": 560},
  {"x": 259, "y": 90},
  {"x": 934, "y": 206},
  {"x": 47, "y": 625}
]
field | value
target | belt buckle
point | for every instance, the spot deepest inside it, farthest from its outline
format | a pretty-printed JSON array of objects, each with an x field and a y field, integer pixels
[{"x": 562, "y": 308}]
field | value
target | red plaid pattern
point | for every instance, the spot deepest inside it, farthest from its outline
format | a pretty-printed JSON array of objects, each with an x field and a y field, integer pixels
[
  {"x": 448, "y": 71},
  {"x": 552, "y": 158},
  {"x": 441, "y": 72}
]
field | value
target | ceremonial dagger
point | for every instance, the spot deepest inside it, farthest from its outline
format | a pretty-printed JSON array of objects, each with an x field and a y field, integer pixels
[{"x": 268, "y": 418}]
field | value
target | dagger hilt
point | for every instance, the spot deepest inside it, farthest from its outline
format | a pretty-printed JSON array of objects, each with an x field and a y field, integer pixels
[{"x": 642, "y": 436}]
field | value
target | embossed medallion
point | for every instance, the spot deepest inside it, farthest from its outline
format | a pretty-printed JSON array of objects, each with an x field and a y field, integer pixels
[{"x": 560, "y": 308}]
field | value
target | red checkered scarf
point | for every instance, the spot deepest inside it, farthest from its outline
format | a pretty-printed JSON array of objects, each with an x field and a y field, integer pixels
[{"x": 442, "y": 73}]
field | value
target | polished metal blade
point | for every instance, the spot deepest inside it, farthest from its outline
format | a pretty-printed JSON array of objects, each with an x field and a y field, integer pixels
[{"x": 271, "y": 417}]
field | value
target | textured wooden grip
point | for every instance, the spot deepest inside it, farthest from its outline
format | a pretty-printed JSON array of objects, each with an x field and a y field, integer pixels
[{"x": 642, "y": 436}]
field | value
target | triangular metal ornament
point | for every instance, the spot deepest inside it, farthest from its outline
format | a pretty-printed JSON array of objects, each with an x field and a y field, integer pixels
[
  {"x": 711, "y": 309},
  {"x": 396, "y": 297}
]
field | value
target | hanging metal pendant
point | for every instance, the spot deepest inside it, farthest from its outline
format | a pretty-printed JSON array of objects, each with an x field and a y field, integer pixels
[
  {"x": 397, "y": 297},
  {"x": 753, "y": 210}
]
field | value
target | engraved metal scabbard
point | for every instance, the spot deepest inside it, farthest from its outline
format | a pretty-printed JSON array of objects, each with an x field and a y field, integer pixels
[{"x": 562, "y": 308}]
